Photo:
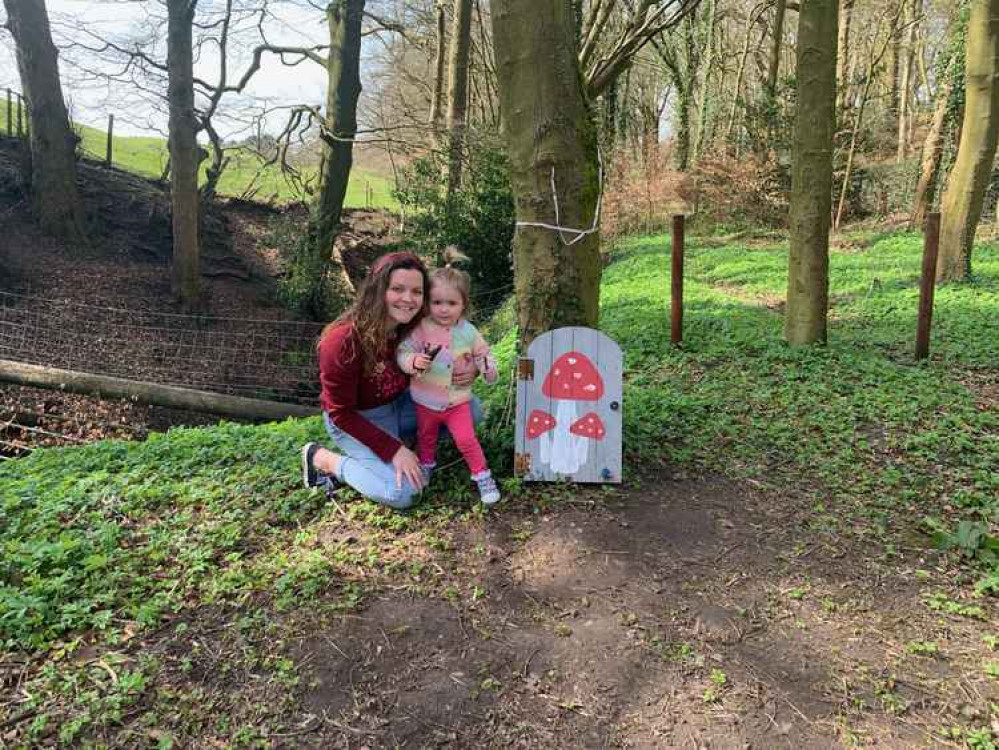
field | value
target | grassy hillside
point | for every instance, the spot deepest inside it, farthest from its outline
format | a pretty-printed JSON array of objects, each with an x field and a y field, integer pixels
[
  {"x": 148, "y": 156},
  {"x": 106, "y": 540}
]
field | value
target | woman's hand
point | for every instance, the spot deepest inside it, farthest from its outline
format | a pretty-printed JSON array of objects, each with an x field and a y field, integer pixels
[{"x": 407, "y": 465}]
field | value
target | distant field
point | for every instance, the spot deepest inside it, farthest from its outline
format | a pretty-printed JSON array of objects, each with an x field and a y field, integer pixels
[{"x": 148, "y": 156}]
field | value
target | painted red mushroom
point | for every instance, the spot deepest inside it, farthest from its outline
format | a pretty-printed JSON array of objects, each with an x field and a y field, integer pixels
[
  {"x": 573, "y": 378},
  {"x": 538, "y": 423},
  {"x": 590, "y": 426}
]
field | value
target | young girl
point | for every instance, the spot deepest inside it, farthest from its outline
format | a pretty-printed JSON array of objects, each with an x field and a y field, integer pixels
[{"x": 443, "y": 345}]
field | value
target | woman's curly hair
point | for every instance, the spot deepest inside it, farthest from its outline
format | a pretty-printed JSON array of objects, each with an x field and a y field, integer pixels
[{"x": 368, "y": 313}]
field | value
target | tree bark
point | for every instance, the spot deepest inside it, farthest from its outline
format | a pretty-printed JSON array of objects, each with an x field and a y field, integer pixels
[
  {"x": 171, "y": 396},
  {"x": 961, "y": 207},
  {"x": 751, "y": 18},
  {"x": 843, "y": 55},
  {"x": 905, "y": 86},
  {"x": 343, "y": 76},
  {"x": 684, "y": 79},
  {"x": 894, "y": 63},
  {"x": 549, "y": 133},
  {"x": 457, "y": 91},
  {"x": 778, "y": 39},
  {"x": 54, "y": 196},
  {"x": 329, "y": 281},
  {"x": 184, "y": 159},
  {"x": 437, "y": 103},
  {"x": 811, "y": 176},
  {"x": 932, "y": 151},
  {"x": 709, "y": 61}
]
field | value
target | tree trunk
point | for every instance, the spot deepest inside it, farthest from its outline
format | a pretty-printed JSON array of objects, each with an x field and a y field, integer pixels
[
  {"x": 702, "y": 100},
  {"x": 774, "y": 68},
  {"x": 437, "y": 103},
  {"x": 933, "y": 150},
  {"x": 858, "y": 121},
  {"x": 741, "y": 70},
  {"x": 894, "y": 60},
  {"x": 171, "y": 396},
  {"x": 843, "y": 55},
  {"x": 961, "y": 207},
  {"x": 811, "y": 175},
  {"x": 905, "y": 87},
  {"x": 54, "y": 196},
  {"x": 457, "y": 91},
  {"x": 329, "y": 283},
  {"x": 186, "y": 267},
  {"x": 549, "y": 135}
]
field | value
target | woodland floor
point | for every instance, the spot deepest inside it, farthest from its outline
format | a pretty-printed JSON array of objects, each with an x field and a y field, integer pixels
[{"x": 676, "y": 611}]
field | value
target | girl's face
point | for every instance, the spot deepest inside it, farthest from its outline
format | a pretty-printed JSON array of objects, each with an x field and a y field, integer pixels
[
  {"x": 446, "y": 306},
  {"x": 404, "y": 296}
]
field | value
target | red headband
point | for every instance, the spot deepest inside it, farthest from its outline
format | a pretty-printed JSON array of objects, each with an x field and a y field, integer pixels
[{"x": 392, "y": 259}]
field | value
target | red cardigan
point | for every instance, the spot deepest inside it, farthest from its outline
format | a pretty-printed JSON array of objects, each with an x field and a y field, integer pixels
[{"x": 347, "y": 389}]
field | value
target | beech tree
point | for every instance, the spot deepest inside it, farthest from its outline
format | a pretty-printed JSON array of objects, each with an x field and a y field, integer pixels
[
  {"x": 550, "y": 137},
  {"x": 811, "y": 174},
  {"x": 54, "y": 197},
  {"x": 339, "y": 126},
  {"x": 961, "y": 206}
]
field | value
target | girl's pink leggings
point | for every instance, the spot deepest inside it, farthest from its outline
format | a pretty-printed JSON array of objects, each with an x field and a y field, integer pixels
[{"x": 458, "y": 420}]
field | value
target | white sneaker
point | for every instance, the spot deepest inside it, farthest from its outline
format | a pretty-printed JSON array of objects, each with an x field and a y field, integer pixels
[{"x": 488, "y": 491}]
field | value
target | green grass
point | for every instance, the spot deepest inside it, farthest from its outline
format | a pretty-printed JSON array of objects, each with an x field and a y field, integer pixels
[
  {"x": 857, "y": 422},
  {"x": 100, "y": 542},
  {"x": 147, "y": 156}
]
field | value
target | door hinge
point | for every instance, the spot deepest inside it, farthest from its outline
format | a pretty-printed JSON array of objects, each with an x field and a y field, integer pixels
[
  {"x": 521, "y": 463},
  {"x": 525, "y": 369}
]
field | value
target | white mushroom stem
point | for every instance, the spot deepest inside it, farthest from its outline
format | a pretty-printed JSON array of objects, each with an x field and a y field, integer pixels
[
  {"x": 582, "y": 449},
  {"x": 563, "y": 449}
]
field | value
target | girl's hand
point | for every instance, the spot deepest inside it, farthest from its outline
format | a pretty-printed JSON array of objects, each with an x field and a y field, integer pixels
[
  {"x": 421, "y": 362},
  {"x": 463, "y": 379},
  {"x": 407, "y": 465}
]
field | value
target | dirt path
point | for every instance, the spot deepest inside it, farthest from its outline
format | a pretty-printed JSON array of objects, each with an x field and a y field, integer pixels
[{"x": 687, "y": 614}]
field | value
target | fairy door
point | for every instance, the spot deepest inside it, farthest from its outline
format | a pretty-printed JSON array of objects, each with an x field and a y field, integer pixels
[{"x": 569, "y": 408}]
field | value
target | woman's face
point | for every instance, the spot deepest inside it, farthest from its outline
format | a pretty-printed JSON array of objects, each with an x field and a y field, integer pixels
[{"x": 404, "y": 296}]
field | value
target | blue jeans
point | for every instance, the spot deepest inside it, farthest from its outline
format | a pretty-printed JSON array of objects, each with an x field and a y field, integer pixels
[{"x": 363, "y": 470}]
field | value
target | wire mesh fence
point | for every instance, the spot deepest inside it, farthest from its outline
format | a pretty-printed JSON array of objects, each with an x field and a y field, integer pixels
[
  {"x": 257, "y": 358},
  {"x": 14, "y": 122},
  {"x": 267, "y": 359}
]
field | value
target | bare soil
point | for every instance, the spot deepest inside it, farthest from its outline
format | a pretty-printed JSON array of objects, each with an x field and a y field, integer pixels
[{"x": 672, "y": 613}]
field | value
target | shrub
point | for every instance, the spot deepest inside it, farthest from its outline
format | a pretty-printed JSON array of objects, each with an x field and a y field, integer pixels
[
  {"x": 641, "y": 196},
  {"x": 480, "y": 220},
  {"x": 745, "y": 190}
]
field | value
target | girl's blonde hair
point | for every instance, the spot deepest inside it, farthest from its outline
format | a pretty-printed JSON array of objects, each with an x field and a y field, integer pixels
[{"x": 454, "y": 277}]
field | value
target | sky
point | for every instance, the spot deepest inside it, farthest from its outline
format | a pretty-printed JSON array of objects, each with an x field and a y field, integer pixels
[{"x": 90, "y": 104}]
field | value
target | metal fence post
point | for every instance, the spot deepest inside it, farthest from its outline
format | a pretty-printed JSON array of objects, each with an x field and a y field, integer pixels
[{"x": 676, "y": 282}]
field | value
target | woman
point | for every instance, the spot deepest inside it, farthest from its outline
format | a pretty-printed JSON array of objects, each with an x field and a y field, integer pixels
[{"x": 364, "y": 395}]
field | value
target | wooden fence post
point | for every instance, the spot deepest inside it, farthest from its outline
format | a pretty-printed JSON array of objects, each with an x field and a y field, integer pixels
[
  {"x": 676, "y": 282},
  {"x": 931, "y": 247},
  {"x": 107, "y": 158}
]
